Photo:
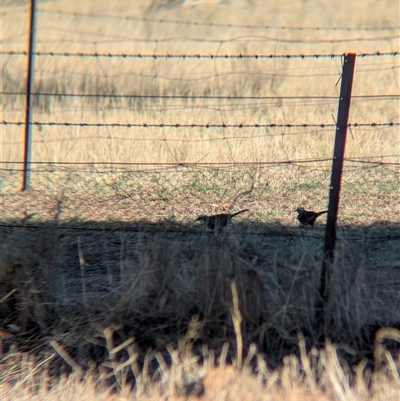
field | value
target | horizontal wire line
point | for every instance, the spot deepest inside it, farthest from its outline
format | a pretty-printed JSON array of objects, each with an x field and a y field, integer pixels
[
  {"x": 212, "y": 24},
  {"x": 172, "y": 164},
  {"x": 165, "y": 229},
  {"x": 164, "y": 138},
  {"x": 196, "y": 39},
  {"x": 380, "y": 163},
  {"x": 196, "y": 125},
  {"x": 210, "y": 164},
  {"x": 196, "y": 56},
  {"x": 190, "y": 97}
]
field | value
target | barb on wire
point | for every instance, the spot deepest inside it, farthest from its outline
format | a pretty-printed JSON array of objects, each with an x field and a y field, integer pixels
[{"x": 168, "y": 56}]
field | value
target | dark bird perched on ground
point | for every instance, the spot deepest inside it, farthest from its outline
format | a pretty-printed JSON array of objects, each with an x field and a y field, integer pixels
[
  {"x": 308, "y": 218},
  {"x": 218, "y": 221}
]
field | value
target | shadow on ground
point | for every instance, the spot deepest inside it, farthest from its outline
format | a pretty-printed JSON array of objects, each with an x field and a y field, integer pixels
[{"x": 163, "y": 282}]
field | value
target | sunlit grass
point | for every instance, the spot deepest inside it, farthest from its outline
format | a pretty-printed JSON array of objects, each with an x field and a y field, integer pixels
[{"x": 113, "y": 290}]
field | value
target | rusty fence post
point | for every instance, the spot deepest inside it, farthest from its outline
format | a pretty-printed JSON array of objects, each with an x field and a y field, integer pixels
[
  {"x": 336, "y": 176},
  {"x": 28, "y": 107}
]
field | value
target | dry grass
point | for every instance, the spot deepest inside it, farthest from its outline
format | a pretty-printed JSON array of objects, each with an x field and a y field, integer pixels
[
  {"x": 178, "y": 194},
  {"x": 314, "y": 375},
  {"x": 147, "y": 309},
  {"x": 272, "y": 77},
  {"x": 145, "y": 312},
  {"x": 111, "y": 289}
]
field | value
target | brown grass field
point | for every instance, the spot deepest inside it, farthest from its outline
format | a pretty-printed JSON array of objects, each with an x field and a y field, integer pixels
[{"x": 110, "y": 290}]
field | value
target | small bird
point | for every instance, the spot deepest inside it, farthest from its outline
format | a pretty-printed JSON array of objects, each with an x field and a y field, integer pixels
[
  {"x": 218, "y": 221},
  {"x": 308, "y": 217}
]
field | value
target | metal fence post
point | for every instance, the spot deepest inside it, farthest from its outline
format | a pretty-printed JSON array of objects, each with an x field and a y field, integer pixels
[
  {"x": 28, "y": 109},
  {"x": 337, "y": 168}
]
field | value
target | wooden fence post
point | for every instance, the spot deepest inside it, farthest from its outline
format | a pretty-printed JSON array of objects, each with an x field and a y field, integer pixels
[
  {"x": 28, "y": 108},
  {"x": 336, "y": 176}
]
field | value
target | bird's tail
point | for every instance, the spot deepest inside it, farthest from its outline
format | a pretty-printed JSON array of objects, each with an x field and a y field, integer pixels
[
  {"x": 319, "y": 214},
  {"x": 240, "y": 211}
]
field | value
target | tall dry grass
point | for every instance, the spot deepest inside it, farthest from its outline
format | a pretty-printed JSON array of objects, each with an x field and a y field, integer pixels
[
  {"x": 184, "y": 375},
  {"x": 148, "y": 306},
  {"x": 158, "y": 285},
  {"x": 110, "y": 31},
  {"x": 148, "y": 309}
]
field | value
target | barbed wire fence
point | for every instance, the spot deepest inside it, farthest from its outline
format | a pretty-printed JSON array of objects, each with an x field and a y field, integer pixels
[
  {"x": 197, "y": 125},
  {"x": 130, "y": 133},
  {"x": 225, "y": 115}
]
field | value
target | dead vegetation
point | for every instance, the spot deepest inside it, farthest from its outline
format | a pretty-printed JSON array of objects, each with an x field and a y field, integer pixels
[
  {"x": 154, "y": 308},
  {"x": 108, "y": 290},
  {"x": 108, "y": 277}
]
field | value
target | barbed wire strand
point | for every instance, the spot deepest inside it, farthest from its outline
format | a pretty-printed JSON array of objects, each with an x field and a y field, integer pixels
[
  {"x": 364, "y": 160},
  {"x": 199, "y": 56},
  {"x": 194, "y": 97},
  {"x": 176, "y": 230},
  {"x": 196, "y": 125}
]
